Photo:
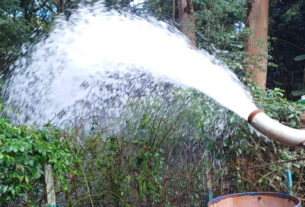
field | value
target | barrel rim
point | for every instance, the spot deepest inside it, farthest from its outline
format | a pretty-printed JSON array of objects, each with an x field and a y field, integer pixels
[{"x": 282, "y": 195}]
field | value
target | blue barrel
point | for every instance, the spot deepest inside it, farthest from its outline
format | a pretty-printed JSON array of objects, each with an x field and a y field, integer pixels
[{"x": 255, "y": 199}]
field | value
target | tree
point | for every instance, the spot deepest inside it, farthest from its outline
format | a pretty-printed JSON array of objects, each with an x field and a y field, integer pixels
[
  {"x": 19, "y": 19},
  {"x": 286, "y": 31},
  {"x": 257, "y": 43},
  {"x": 187, "y": 22}
]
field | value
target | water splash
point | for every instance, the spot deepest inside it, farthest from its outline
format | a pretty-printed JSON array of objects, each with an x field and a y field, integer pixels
[{"x": 101, "y": 55}]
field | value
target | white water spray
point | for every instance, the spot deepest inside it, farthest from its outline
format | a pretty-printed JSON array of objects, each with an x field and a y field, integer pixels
[{"x": 95, "y": 46}]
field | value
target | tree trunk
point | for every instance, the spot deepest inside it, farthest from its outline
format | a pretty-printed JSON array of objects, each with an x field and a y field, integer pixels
[
  {"x": 185, "y": 11},
  {"x": 257, "y": 43}
]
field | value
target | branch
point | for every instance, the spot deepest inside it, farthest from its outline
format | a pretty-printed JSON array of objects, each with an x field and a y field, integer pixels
[
  {"x": 41, "y": 5},
  {"x": 174, "y": 12},
  {"x": 189, "y": 7},
  {"x": 51, "y": 9},
  {"x": 269, "y": 164}
]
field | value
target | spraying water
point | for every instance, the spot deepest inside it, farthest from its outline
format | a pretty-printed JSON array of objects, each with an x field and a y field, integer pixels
[{"x": 98, "y": 51}]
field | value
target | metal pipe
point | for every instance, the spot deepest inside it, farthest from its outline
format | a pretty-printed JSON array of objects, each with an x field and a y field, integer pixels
[{"x": 275, "y": 130}]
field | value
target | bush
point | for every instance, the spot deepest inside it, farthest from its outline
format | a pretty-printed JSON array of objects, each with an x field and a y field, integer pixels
[
  {"x": 174, "y": 151},
  {"x": 23, "y": 153},
  {"x": 171, "y": 151}
]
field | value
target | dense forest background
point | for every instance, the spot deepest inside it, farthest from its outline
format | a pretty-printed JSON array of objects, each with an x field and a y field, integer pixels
[{"x": 184, "y": 159}]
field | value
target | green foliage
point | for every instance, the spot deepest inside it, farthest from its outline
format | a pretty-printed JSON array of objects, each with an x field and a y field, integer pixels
[
  {"x": 286, "y": 29},
  {"x": 113, "y": 4},
  {"x": 215, "y": 31},
  {"x": 17, "y": 24},
  {"x": 215, "y": 21},
  {"x": 261, "y": 163},
  {"x": 24, "y": 21},
  {"x": 274, "y": 103},
  {"x": 161, "y": 9},
  {"x": 23, "y": 153},
  {"x": 140, "y": 165},
  {"x": 167, "y": 151}
]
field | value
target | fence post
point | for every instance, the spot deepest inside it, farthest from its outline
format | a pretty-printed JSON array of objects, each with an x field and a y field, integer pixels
[{"x": 50, "y": 189}]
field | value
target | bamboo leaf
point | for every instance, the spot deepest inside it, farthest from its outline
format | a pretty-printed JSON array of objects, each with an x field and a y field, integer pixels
[{"x": 299, "y": 58}]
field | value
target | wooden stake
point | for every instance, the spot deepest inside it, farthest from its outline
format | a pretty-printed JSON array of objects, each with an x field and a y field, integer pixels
[{"x": 48, "y": 174}]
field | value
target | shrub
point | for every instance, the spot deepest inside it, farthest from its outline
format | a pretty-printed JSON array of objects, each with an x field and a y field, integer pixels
[{"x": 23, "y": 153}]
